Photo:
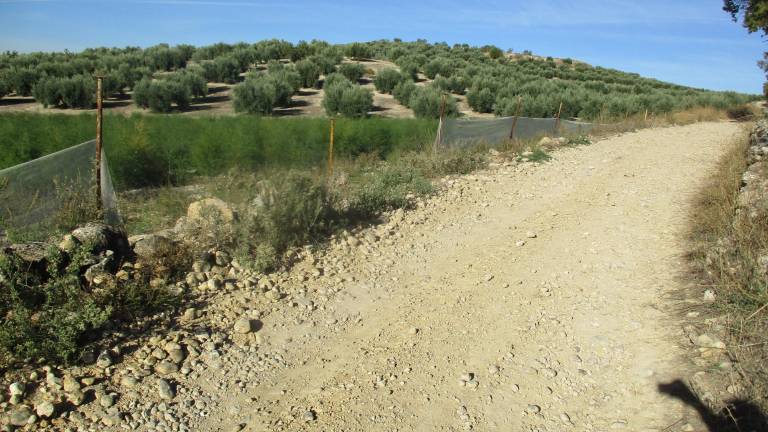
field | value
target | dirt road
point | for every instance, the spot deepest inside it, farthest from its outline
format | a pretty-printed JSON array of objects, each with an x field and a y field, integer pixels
[{"x": 446, "y": 321}]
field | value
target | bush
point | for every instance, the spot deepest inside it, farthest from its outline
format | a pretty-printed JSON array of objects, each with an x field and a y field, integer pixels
[
  {"x": 254, "y": 96},
  {"x": 159, "y": 96},
  {"x": 426, "y": 102},
  {"x": 438, "y": 66},
  {"x": 387, "y": 79},
  {"x": 22, "y": 80},
  {"x": 481, "y": 100},
  {"x": 76, "y": 92},
  {"x": 352, "y": 71},
  {"x": 309, "y": 72},
  {"x": 222, "y": 69},
  {"x": 343, "y": 97},
  {"x": 403, "y": 92},
  {"x": 192, "y": 80},
  {"x": 5, "y": 87},
  {"x": 326, "y": 63},
  {"x": 386, "y": 188},
  {"x": 358, "y": 51},
  {"x": 740, "y": 112}
]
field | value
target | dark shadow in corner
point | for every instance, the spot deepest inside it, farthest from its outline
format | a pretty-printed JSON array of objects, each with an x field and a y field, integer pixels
[{"x": 737, "y": 416}]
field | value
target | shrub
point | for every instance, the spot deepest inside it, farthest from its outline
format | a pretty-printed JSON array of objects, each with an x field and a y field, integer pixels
[
  {"x": 458, "y": 84},
  {"x": 192, "y": 80},
  {"x": 438, "y": 66},
  {"x": 740, "y": 112},
  {"x": 387, "y": 79},
  {"x": 403, "y": 92},
  {"x": 326, "y": 63},
  {"x": 386, "y": 188},
  {"x": 159, "y": 96},
  {"x": 22, "y": 80},
  {"x": 426, "y": 102},
  {"x": 481, "y": 100},
  {"x": 352, "y": 71},
  {"x": 254, "y": 96},
  {"x": 5, "y": 87},
  {"x": 358, "y": 51},
  {"x": 309, "y": 72},
  {"x": 343, "y": 97},
  {"x": 222, "y": 69},
  {"x": 76, "y": 92}
]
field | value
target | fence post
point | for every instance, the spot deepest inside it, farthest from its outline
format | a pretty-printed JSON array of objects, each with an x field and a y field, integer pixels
[
  {"x": 645, "y": 119},
  {"x": 330, "y": 149},
  {"x": 517, "y": 114},
  {"x": 557, "y": 119},
  {"x": 99, "y": 137},
  {"x": 439, "y": 137}
]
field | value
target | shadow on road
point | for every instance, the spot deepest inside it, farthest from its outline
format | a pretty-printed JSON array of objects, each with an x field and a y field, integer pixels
[{"x": 737, "y": 415}]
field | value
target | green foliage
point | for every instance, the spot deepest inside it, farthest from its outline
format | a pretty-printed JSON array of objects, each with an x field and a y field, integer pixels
[
  {"x": 358, "y": 51},
  {"x": 254, "y": 96},
  {"x": 438, "y": 66},
  {"x": 481, "y": 100},
  {"x": 387, "y": 79},
  {"x": 344, "y": 98},
  {"x": 385, "y": 188},
  {"x": 193, "y": 80},
  {"x": 426, "y": 102},
  {"x": 223, "y": 69},
  {"x": 76, "y": 92},
  {"x": 160, "y": 96},
  {"x": 403, "y": 92},
  {"x": 5, "y": 86},
  {"x": 352, "y": 71},
  {"x": 22, "y": 80},
  {"x": 309, "y": 72}
]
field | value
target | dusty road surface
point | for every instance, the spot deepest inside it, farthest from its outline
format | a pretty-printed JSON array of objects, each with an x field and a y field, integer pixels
[{"x": 522, "y": 298}]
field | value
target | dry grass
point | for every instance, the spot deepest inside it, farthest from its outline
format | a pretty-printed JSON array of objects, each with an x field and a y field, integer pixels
[{"x": 725, "y": 245}]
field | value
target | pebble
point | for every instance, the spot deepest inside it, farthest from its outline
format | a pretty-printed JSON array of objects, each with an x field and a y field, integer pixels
[
  {"x": 104, "y": 360},
  {"x": 45, "y": 409},
  {"x": 413, "y": 331},
  {"x": 165, "y": 390},
  {"x": 533, "y": 409},
  {"x": 243, "y": 325},
  {"x": 16, "y": 389},
  {"x": 166, "y": 367},
  {"x": 709, "y": 296},
  {"x": 520, "y": 243},
  {"x": 565, "y": 418},
  {"x": 21, "y": 416},
  {"x": 309, "y": 416},
  {"x": 530, "y": 234}
]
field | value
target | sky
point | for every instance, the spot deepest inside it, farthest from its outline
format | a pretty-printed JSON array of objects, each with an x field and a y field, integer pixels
[{"x": 689, "y": 42}]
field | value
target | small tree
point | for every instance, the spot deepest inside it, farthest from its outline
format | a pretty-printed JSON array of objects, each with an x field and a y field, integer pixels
[
  {"x": 22, "y": 80},
  {"x": 309, "y": 72},
  {"x": 387, "y": 79},
  {"x": 343, "y": 97},
  {"x": 159, "y": 96},
  {"x": 403, "y": 92},
  {"x": 481, "y": 100},
  {"x": 254, "y": 96},
  {"x": 358, "y": 50},
  {"x": 352, "y": 71},
  {"x": 426, "y": 102}
]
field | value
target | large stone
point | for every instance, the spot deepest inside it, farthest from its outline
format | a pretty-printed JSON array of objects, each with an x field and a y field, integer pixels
[
  {"x": 208, "y": 208},
  {"x": 45, "y": 409},
  {"x": 165, "y": 389},
  {"x": 31, "y": 258},
  {"x": 101, "y": 237},
  {"x": 243, "y": 326},
  {"x": 21, "y": 416},
  {"x": 153, "y": 247}
]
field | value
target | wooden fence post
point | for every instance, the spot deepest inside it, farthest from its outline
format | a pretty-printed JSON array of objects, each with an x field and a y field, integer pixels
[
  {"x": 517, "y": 114},
  {"x": 439, "y": 137},
  {"x": 557, "y": 119},
  {"x": 99, "y": 137},
  {"x": 330, "y": 149}
]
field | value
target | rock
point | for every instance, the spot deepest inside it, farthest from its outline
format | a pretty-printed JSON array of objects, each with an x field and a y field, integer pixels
[
  {"x": 709, "y": 296},
  {"x": 565, "y": 418},
  {"x": 21, "y": 416},
  {"x": 100, "y": 237},
  {"x": 413, "y": 331},
  {"x": 520, "y": 243},
  {"x": 530, "y": 234},
  {"x": 243, "y": 326},
  {"x": 45, "y": 409},
  {"x": 166, "y": 367},
  {"x": 107, "y": 400},
  {"x": 165, "y": 390},
  {"x": 77, "y": 397},
  {"x": 104, "y": 360},
  {"x": 129, "y": 382},
  {"x": 308, "y": 416},
  {"x": 210, "y": 208},
  {"x": 154, "y": 248},
  {"x": 16, "y": 389},
  {"x": 533, "y": 409},
  {"x": 71, "y": 384},
  {"x": 68, "y": 243},
  {"x": 176, "y": 355},
  {"x": 548, "y": 372},
  {"x": 32, "y": 258},
  {"x": 547, "y": 143},
  {"x": 190, "y": 314}
]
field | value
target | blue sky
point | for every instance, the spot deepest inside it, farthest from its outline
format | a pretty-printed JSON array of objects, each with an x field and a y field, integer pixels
[{"x": 691, "y": 42}]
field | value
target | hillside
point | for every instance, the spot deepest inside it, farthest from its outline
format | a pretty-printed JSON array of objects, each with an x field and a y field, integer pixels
[{"x": 381, "y": 78}]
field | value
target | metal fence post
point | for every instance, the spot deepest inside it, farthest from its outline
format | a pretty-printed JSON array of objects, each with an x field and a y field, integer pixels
[
  {"x": 517, "y": 115},
  {"x": 99, "y": 137},
  {"x": 557, "y": 119},
  {"x": 330, "y": 149}
]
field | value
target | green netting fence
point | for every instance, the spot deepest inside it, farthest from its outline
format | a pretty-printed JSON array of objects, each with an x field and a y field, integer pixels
[
  {"x": 463, "y": 133},
  {"x": 42, "y": 192}
]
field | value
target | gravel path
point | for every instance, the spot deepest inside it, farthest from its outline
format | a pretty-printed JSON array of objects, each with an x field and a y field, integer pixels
[{"x": 523, "y": 298}]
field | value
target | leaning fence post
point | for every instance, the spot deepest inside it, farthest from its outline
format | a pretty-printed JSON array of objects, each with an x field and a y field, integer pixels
[
  {"x": 439, "y": 137},
  {"x": 330, "y": 149},
  {"x": 517, "y": 115},
  {"x": 557, "y": 119},
  {"x": 99, "y": 138}
]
